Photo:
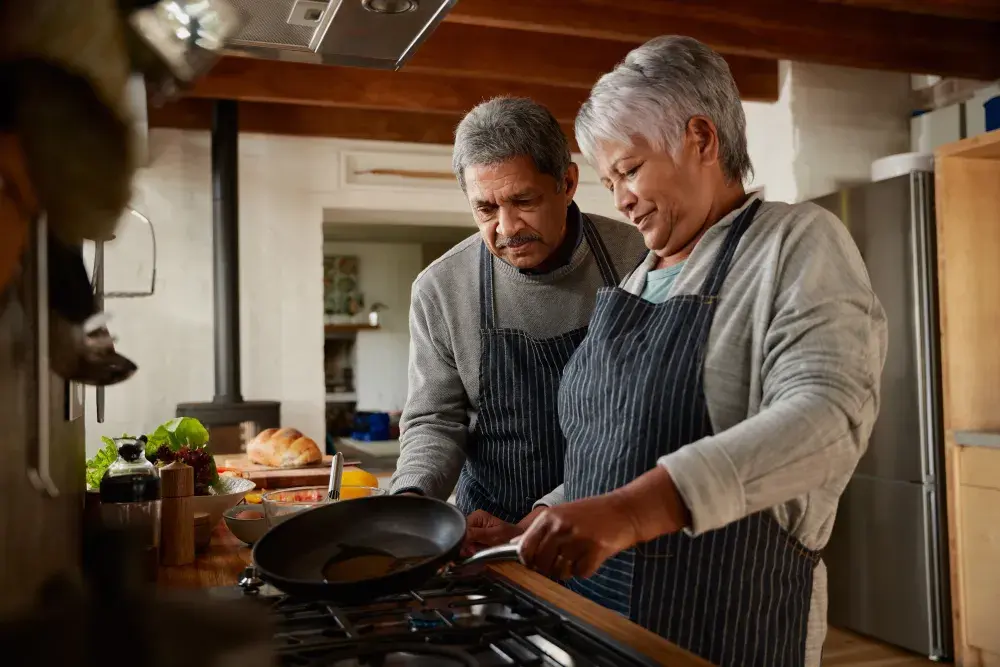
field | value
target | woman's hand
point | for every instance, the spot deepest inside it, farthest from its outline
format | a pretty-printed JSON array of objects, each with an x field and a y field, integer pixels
[
  {"x": 574, "y": 539},
  {"x": 483, "y": 530}
]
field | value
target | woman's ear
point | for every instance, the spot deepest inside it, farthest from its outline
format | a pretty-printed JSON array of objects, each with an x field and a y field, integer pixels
[{"x": 702, "y": 133}]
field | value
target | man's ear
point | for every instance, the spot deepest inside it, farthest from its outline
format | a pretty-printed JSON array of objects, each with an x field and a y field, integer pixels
[{"x": 570, "y": 182}]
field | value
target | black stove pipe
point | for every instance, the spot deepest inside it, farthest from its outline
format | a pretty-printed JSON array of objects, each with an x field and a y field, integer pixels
[{"x": 226, "y": 250}]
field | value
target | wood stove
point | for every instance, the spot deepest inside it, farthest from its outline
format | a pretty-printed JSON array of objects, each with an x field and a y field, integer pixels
[{"x": 230, "y": 420}]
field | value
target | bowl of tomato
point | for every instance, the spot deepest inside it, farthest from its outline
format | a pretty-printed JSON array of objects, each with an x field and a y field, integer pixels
[{"x": 285, "y": 503}]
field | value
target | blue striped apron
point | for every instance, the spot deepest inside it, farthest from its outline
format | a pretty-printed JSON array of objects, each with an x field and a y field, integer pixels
[
  {"x": 633, "y": 392},
  {"x": 517, "y": 449}
]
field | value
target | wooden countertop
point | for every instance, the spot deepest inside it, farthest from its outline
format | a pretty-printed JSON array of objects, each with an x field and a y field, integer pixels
[{"x": 225, "y": 559}]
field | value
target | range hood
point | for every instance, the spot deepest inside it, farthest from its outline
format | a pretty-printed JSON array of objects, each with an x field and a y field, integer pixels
[{"x": 380, "y": 34}]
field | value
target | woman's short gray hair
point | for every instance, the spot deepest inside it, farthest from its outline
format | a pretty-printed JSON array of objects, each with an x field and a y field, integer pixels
[
  {"x": 653, "y": 94},
  {"x": 505, "y": 128}
]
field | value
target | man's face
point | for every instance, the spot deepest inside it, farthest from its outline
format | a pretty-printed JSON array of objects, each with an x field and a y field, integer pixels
[{"x": 521, "y": 212}]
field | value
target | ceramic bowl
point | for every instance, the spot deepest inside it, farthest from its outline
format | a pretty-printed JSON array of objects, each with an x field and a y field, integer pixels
[
  {"x": 247, "y": 530},
  {"x": 284, "y": 503}
]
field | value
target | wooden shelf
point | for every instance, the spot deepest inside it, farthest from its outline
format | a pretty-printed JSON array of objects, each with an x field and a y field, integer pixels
[
  {"x": 349, "y": 328},
  {"x": 342, "y": 397},
  {"x": 977, "y": 439}
]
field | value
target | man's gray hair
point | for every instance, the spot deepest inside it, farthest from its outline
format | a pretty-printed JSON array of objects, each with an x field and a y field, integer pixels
[
  {"x": 505, "y": 128},
  {"x": 653, "y": 94}
]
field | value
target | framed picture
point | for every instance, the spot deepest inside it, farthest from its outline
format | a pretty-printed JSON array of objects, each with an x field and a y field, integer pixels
[{"x": 341, "y": 294}]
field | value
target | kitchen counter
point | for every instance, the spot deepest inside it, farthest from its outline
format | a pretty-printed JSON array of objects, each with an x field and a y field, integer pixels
[
  {"x": 226, "y": 557},
  {"x": 378, "y": 458}
]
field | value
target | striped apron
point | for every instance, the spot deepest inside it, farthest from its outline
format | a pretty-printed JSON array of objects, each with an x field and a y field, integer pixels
[
  {"x": 633, "y": 392},
  {"x": 517, "y": 449}
]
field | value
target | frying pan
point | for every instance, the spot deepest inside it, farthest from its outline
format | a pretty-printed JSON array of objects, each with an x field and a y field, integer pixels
[{"x": 293, "y": 554}]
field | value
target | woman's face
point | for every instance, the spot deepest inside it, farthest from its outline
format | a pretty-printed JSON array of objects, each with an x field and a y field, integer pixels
[{"x": 669, "y": 200}]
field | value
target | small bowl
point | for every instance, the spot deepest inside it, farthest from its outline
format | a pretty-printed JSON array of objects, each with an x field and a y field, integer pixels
[
  {"x": 285, "y": 503},
  {"x": 246, "y": 530}
]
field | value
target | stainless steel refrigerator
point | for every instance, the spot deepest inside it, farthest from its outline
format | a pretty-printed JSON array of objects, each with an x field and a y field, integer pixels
[{"x": 887, "y": 557}]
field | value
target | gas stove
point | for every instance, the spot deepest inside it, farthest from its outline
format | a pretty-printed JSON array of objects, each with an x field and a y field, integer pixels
[{"x": 464, "y": 620}]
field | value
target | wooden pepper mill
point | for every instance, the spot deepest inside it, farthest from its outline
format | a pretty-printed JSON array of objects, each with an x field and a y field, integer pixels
[{"x": 177, "y": 514}]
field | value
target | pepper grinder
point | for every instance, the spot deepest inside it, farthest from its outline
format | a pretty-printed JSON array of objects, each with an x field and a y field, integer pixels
[{"x": 177, "y": 514}]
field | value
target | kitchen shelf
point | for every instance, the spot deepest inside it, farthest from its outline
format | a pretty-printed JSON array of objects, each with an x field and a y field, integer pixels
[
  {"x": 342, "y": 397},
  {"x": 349, "y": 328}
]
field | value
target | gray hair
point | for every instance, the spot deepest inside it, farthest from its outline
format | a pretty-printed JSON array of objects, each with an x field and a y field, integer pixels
[
  {"x": 505, "y": 128},
  {"x": 653, "y": 94}
]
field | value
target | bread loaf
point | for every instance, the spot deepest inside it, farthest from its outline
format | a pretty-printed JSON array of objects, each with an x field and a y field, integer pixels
[{"x": 283, "y": 448}]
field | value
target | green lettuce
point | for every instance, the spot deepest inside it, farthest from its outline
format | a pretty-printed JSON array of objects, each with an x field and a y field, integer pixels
[
  {"x": 177, "y": 433},
  {"x": 97, "y": 466}
]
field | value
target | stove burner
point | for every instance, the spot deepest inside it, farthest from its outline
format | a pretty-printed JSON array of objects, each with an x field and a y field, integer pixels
[
  {"x": 425, "y": 619},
  {"x": 471, "y": 620},
  {"x": 412, "y": 656}
]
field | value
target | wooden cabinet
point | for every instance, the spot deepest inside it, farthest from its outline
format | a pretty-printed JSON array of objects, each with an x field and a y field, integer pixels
[{"x": 967, "y": 190}]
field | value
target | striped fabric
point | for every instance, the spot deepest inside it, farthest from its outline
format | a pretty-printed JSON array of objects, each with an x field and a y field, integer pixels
[
  {"x": 517, "y": 450},
  {"x": 632, "y": 393}
]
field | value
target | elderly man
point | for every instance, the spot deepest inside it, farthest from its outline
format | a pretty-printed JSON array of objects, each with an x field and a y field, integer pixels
[
  {"x": 723, "y": 395},
  {"x": 494, "y": 320}
]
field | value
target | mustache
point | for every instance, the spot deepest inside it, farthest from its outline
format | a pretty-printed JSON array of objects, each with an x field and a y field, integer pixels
[{"x": 519, "y": 239}]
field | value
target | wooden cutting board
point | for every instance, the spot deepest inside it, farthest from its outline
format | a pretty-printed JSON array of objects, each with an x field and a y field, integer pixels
[{"x": 279, "y": 478}]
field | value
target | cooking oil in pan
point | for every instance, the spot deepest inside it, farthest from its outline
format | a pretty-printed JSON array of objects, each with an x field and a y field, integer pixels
[{"x": 353, "y": 564}]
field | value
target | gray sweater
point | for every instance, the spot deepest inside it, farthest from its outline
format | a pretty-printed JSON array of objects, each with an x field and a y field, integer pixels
[
  {"x": 792, "y": 378},
  {"x": 443, "y": 397}
]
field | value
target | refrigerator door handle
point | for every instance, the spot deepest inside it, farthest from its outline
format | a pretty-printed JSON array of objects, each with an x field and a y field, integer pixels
[
  {"x": 39, "y": 471},
  {"x": 925, "y": 295}
]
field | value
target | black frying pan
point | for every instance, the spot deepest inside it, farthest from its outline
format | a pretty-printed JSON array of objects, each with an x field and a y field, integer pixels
[{"x": 309, "y": 554}]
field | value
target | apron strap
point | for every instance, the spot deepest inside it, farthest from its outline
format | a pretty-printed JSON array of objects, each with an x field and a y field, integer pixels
[
  {"x": 487, "y": 308},
  {"x": 600, "y": 253},
  {"x": 713, "y": 284}
]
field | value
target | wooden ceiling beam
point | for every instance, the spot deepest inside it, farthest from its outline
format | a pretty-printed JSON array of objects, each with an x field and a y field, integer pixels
[
  {"x": 311, "y": 121},
  {"x": 820, "y": 32},
  {"x": 562, "y": 60},
  {"x": 255, "y": 80},
  {"x": 982, "y": 10}
]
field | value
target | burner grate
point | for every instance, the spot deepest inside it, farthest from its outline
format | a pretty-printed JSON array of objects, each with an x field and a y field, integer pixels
[{"x": 475, "y": 620}]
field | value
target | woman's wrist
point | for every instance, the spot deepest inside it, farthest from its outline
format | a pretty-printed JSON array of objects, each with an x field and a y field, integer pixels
[{"x": 652, "y": 505}]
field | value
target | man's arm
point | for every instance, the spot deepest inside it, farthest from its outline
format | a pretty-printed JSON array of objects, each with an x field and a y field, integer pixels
[{"x": 434, "y": 424}]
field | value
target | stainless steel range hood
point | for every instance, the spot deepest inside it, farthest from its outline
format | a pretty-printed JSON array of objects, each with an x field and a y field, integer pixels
[{"x": 382, "y": 34}]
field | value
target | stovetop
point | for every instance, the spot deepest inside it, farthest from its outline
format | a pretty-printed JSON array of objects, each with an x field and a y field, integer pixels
[{"x": 461, "y": 620}]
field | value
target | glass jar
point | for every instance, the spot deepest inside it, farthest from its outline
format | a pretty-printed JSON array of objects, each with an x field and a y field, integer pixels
[{"x": 130, "y": 498}]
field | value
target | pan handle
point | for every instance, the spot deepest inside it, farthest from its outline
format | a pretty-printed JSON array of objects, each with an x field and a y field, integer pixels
[{"x": 502, "y": 552}]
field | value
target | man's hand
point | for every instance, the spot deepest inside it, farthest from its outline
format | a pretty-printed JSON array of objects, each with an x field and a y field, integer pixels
[
  {"x": 575, "y": 538},
  {"x": 483, "y": 530}
]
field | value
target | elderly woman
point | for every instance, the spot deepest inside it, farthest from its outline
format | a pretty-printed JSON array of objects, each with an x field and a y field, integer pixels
[{"x": 724, "y": 393}]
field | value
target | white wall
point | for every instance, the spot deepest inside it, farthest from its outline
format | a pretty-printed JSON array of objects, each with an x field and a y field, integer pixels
[
  {"x": 801, "y": 146},
  {"x": 844, "y": 119},
  {"x": 385, "y": 273},
  {"x": 826, "y": 128}
]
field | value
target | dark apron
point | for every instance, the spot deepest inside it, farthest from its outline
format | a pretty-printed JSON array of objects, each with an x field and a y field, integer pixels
[
  {"x": 517, "y": 449},
  {"x": 633, "y": 392}
]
